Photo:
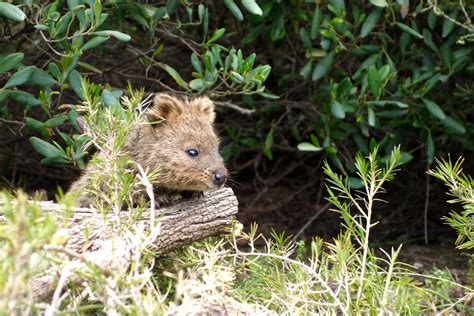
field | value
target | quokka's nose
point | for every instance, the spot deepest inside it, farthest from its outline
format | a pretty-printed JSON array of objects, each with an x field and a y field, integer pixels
[{"x": 219, "y": 177}]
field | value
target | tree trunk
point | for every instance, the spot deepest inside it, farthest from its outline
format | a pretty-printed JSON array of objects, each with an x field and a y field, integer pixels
[{"x": 95, "y": 238}]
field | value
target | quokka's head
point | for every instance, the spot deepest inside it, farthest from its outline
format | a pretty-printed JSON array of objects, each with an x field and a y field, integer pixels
[{"x": 184, "y": 145}]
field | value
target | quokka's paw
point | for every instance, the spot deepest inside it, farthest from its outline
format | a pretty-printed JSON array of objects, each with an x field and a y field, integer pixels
[
  {"x": 188, "y": 195},
  {"x": 163, "y": 200},
  {"x": 197, "y": 194}
]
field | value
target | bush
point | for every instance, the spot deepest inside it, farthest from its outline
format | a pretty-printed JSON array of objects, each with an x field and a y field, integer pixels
[
  {"x": 342, "y": 276},
  {"x": 461, "y": 188},
  {"x": 361, "y": 74}
]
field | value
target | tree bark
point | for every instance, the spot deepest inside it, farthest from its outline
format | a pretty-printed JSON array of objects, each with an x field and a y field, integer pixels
[{"x": 93, "y": 237}]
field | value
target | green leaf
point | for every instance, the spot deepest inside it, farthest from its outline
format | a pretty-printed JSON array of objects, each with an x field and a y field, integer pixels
[
  {"x": 323, "y": 66},
  {"x": 278, "y": 30},
  {"x": 337, "y": 109},
  {"x": 408, "y": 29},
  {"x": 375, "y": 83},
  {"x": 196, "y": 63},
  {"x": 23, "y": 98},
  {"x": 54, "y": 161},
  {"x": 196, "y": 84},
  {"x": 20, "y": 77},
  {"x": 37, "y": 126},
  {"x": 454, "y": 126},
  {"x": 89, "y": 67},
  {"x": 306, "y": 70},
  {"x": 252, "y": 35},
  {"x": 383, "y": 72},
  {"x": 116, "y": 34},
  {"x": 172, "y": 6},
  {"x": 448, "y": 25},
  {"x": 305, "y": 39},
  {"x": 432, "y": 17},
  {"x": 379, "y": 3},
  {"x": 42, "y": 27},
  {"x": 175, "y": 75},
  {"x": 267, "y": 148},
  {"x": 314, "y": 140},
  {"x": 109, "y": 99},
  {"x": 361, "y": 143},
  {"x": 234, "y": 9},
  {"x": 370, "y": 22},
  {"x": 384, "y": 102},
  {"x": 337, "y": 7},
  {"x": 72, "y": 4},
  {"x": 157, "y": 51},
  {"x": 46, "y": 149},
  {"x": 434, "y": 109},
  {"x": 430, "y": 148},
  {"x": 355, "y": 183},
  {"x": 75, "y": 80},
  {"x": 205, "y": 22},
  {"x": 11, "y": 61},
  {"x": 371, "y": 117},
  {"x": 41, "y": 78},
  {"x": 96, "y": 41},
  {"x": 56, "y": 121},
  {"x": 160, "y": 13},
  {"x": 405, "y": 157},
  {"x": 268, "y": 95},
  {"x": 428, "y": 39},
  {"x": 252, "y": 7},
  {"x": 11, "y": 12},
  {"x": 216, "y": 35},
  {"x": 308, "y": 147},
  {"x": 316, "y": 23}
]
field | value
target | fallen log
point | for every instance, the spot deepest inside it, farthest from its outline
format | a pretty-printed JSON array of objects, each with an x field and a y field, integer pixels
[{"x": 95, "y": 238}]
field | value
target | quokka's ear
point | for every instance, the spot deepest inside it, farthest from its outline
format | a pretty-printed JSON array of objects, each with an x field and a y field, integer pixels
[
  {"x": 165, "y": 107},
  {"x": 203, "y": 105}
]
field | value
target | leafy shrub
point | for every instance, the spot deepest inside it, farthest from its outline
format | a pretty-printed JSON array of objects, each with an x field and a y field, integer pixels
[
  {"x": 70, "y": 31},
  {"x": 362, "y": 74},
  {"x": 461, "y": 188},
  {"x": 342, "y": 276}
]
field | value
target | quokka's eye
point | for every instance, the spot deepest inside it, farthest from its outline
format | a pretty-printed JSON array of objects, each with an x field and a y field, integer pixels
[{"x": 192, "y": 152}]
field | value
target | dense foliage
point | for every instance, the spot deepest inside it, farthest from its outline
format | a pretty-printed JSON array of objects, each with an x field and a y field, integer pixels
[
  {"x": 346, "y": 76},
  {"x": 385, "y": 81}
]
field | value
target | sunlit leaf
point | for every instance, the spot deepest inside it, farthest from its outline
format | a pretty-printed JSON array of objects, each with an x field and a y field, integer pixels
[
  {"x": 116, "y": 34},
  {"x": 337, "y": 109},
  {"x": 379, "y": 3},
  {"x": 176, "y": 76},
  {"x": 408, "y": 29},
  {"x": 252, "y": 7},
  {"x": 234, "y": 9},
  {"x": 308, "y": 147},
  {"x": 11, "y": 12}
]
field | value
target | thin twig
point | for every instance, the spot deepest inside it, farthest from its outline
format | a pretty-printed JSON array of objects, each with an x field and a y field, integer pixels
[
  {"x": 234, "y": 107},
  {"x": 425, "y": 213}
]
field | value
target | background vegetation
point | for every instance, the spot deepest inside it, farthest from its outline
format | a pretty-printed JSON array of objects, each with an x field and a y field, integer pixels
[{"x": 295, "y": 82}]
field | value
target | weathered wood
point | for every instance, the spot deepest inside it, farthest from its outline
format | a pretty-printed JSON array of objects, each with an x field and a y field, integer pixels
[
  {"x": 181, "y": 224},
  {"x": 96, "y": 238}
]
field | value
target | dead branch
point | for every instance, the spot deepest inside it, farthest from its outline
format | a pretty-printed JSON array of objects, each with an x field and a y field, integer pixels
[{"x": 95, "y": 239}]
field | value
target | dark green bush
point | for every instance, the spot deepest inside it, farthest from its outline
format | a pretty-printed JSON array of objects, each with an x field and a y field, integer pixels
[{"x": 345, "y": 76}]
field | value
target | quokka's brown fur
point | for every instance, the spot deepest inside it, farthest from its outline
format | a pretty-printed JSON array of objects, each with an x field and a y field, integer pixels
[{"x": 178, "y": 129}]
